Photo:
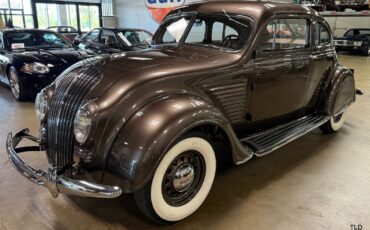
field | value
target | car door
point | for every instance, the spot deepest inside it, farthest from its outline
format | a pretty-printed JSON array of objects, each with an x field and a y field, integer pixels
[
  {"x": 282, "y": 67},
  {"x": 323, "y": 59},
  {"x": 90, "y": 40}
]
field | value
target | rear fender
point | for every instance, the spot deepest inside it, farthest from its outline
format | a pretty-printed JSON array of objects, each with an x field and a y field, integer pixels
[{"x": 341, "y": 91}]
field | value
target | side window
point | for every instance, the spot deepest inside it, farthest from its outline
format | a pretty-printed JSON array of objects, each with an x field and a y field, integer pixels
[
  {"x": 322, "y": 37},
  {"x": 285, "y": 34},
  {"x": 108, "y": 38},
  {"x": 92, "y": 36},
  {"x": 220, "y": 30},
  {"x": 197, "y": 32}
]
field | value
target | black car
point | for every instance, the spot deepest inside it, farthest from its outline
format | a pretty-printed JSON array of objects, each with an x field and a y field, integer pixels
[
  {"x": 31, "y": 59},
  {"x": 67, "y": 31},
  {"x": 354, "y": 40},
  {"x": 114, "y": 40}
]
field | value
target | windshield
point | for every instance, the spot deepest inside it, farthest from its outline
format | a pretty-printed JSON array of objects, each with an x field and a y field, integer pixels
[
  {"x": 134, "y": 37},
  {"x": 215, "y": 31},
  {"x": 35, "y": 40}
]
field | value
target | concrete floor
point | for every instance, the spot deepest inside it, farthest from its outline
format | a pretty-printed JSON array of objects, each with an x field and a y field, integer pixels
[{"x": 317, "y": 182}]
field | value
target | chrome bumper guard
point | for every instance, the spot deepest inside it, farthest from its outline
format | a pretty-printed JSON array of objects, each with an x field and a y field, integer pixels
[{"x": 55, "y": 183}]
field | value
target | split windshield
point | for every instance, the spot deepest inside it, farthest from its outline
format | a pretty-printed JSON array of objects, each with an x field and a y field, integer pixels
[
  {"x": 16, "y": 40},
  {"x": 219, "y": 31}
]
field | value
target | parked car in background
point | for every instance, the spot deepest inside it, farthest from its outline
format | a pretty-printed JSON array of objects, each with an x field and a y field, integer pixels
[
  {"x": 67, "y": 31},
  {"x": 354, "y": 40},
  {"x": 114, "y": 40},
  {"x": 31, "y": 59},
  {"x": 223, "y": 81}
]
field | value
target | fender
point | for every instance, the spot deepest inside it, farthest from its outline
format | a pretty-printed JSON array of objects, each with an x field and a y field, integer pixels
[
  {"x": 340, "y": 92},
  {"x": 142, "y": 142}
]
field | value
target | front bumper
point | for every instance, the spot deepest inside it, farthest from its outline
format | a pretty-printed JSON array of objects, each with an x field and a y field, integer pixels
[{"x": 55, "y": 183}]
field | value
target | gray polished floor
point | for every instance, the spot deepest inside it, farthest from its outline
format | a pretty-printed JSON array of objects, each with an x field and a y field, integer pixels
[{"x": 317, "y": 182}]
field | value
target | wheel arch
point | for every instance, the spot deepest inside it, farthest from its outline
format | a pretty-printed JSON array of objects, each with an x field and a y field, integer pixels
[
  {"x": 149, "y": 134},
  {"x": 340, "y": 92}
]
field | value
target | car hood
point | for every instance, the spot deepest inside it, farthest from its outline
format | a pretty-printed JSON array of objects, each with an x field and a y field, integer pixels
[
  {"x": 131, "y": 68},
  {"x": 354, "y": 38},
  {"x": 64, "y": 57}
]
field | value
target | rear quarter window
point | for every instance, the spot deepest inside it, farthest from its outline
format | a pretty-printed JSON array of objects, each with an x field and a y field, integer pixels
[{"x": 283, "y": 34}]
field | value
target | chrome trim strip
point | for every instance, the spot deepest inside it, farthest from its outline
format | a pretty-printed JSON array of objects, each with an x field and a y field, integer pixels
[{"x": 55, "y": 183}]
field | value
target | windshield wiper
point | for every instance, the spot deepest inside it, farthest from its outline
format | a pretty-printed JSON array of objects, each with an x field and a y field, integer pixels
[{"x": 45, "y": 51}]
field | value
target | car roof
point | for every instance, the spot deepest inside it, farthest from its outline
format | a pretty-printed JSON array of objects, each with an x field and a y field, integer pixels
[
  {"x": 253, "y": 9},
  {"x": 119, "y": 28},
  {"x": 359, "y": 29},
  {"x": 23, "y": 29},
  {"x": 60, "y": 26}
]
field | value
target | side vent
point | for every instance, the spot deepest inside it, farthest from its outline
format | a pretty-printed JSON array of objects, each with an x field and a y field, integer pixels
[{"x": 231, "y": 97}]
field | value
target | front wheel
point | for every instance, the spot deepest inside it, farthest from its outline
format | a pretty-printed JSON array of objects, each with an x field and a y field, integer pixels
[
  {"x": 334, "y": 124},
  {"x": 181, "y": 181},
  {"x": 16, "y": 85}
]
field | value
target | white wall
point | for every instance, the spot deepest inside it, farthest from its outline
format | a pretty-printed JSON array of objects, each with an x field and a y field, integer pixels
[
  {"x": 133, "y": 14},
  {"x": 340, "y": 24}
]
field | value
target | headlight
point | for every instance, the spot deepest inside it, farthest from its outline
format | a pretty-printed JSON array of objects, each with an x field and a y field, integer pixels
[
  {"x": 357, "y": 43},
  {"x": 36, "y": 67},
  {"x": 82, "y": 124},
  {"x": 41, "y": 105}
]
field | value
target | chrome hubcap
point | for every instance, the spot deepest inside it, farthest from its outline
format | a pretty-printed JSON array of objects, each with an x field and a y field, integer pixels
[
  {"x": 184, "y": 177},
  {"x": 14, "y": 83}
]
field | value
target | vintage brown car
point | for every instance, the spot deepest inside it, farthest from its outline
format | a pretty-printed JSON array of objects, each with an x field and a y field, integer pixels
[{"x": 222, "y": 82}]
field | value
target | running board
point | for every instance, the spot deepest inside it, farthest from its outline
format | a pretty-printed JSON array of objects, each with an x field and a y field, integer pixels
[{"x": 268, "y": 141}]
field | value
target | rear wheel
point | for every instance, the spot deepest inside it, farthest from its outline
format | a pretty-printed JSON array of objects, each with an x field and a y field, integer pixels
[
  {"x": 16, "y": 85},
  {"x": 181, "y": 181},
  {"x": 334, "y": 124}
]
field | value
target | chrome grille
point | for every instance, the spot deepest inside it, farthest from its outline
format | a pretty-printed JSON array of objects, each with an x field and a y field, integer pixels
[{"x": 67, "y": 99}]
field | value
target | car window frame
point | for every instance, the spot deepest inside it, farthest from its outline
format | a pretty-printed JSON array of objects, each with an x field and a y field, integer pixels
[
  {"x": 327, "y": 28},
  {"x": 282, "y": 17}
]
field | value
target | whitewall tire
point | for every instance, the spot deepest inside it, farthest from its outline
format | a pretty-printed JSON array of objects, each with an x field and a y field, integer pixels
[
  {"x": 181, "y": 181},
  {"x": 334, "y": 124}
]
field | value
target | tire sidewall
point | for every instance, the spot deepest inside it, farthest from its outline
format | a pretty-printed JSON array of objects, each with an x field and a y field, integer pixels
[
  {"x": 160, "y": 206},
  {"x": 337, "y": 125},
  {"x": 20, "y": 93}
]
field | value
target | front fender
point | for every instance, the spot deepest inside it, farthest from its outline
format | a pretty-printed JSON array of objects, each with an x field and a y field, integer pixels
[
  {"x": 147, "y": 136},
  {"x": 341, "y": 91}
]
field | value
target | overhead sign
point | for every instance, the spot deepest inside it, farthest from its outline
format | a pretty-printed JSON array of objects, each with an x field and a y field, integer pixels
[{"x": 160, "y": 8}]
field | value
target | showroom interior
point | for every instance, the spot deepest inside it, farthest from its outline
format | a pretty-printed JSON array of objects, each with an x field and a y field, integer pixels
[{"x": 118, "y": 100}]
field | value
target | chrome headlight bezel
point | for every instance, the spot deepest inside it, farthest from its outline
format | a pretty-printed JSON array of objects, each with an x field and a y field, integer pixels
[
  {"x": 84, "y": 123},
  {"x": 35, "y": 68},
  {"x": 41, "y": 105}
]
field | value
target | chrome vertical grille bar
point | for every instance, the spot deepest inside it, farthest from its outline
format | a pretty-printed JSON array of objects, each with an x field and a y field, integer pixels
[{"x": 67, "y": 99}]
